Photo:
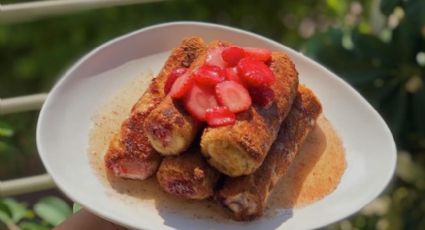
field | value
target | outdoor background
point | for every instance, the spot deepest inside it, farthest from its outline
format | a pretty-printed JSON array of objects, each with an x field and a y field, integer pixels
[{"x": 377, "y": 46}]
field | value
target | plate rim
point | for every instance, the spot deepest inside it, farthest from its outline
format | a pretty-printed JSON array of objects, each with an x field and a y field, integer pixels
[{"x": 60, "y": 83}]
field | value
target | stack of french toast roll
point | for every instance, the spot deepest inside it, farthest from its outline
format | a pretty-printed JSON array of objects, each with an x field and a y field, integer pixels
[{"x": 237, "y": 165}]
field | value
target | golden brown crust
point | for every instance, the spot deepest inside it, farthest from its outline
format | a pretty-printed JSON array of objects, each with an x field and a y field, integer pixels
[
  {"x": 130, "y": 154},
  {"x": 170, "y": 128},
  {"x": 187, "y": 175},
  {"x": 240, "y": 149},
  {"x": 246, "y": 196}
]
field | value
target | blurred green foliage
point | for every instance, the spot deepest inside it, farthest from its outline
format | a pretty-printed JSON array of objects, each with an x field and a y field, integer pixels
[
  {"x": 387, "y": 65},
  {"x": 388, "y": 68},
  {"x": 377, "y": 46},
  {"x": 46, "y": 213}
]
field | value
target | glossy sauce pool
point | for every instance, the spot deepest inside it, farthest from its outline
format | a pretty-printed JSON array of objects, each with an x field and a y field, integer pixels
[{"x": 315, "y": 172}]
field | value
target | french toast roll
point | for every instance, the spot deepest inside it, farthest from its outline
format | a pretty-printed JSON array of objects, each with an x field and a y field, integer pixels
[
  {"x": 130, "y": 154},
  {"x": 246, "y": 196},
  {"x": 169, "y": 127},
  {"x": 187, "y": 175},
  {"x": 239, "y": 149}
]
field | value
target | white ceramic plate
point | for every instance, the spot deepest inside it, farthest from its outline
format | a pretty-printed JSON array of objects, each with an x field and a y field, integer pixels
[{"x": 65, "y": 119}]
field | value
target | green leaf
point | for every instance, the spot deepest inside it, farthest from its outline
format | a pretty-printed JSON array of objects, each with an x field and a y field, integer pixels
[
  {"x": 361, "y": 76},
  {"x": 4, "y": 208},
  {"x": 388, "y": 91},
  {"x": 394, "y": 109},
  {"x": 370, "y": 48},
  {"x": 5, "y": 130},
  {"x": 361, "y": 66},
  {"x": 29, "y": 214},
  {"x": 53, "y": 210},
  {"x": 320, "y": 42},
  {"x": 414, "y": 14},
  {"x": 407, "y": 169},
  {"x": 418, "y": 100},
  {"x": 32, "y": 226},
  {"x": 387, "y": 6},
  {"x": 5, "y": 218},
  {"x": 76, "y": 207},
  {"x": 5, "y": 213},
  {"x": 7, "y": 148},
  {"x": 407, "y": 37},
  {"x": 339, "y": 7},
  {"x": 17, "y": 210}
]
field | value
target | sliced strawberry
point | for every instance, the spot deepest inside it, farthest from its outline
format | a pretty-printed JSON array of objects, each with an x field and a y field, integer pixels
[
  {"x": 198, "y": 100},
  {"x": 232, "y": 55},
  {"x": 262, "y": 96},
  {"x": 214, "y": 57},
  {"x": 233, "y": 95},
  {"x": 209, "y": 75},
  {"x": 220, "y": 116},
  {"x": 232, "y": 74},
  {"x": 259, "y": 54},
  {"x": 181, "y": 86},
  {"x": 255, "y": 73},
  {"x": 175, "y": 73}
]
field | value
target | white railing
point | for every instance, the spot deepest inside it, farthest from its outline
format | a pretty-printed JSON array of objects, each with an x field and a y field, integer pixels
[
  {"x": 18, "y": 12},
  {"x": 32, "y": 183},
  {"x": 26, "y": 185},
  {"x": 22, "y": 104}
]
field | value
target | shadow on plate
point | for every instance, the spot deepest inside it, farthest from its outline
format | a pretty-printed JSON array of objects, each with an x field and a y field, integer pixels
[{"x": 287, "y": 191}]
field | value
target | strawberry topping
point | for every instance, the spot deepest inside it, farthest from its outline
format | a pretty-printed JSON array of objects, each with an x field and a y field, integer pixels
[
  {"x": 255, "y": 73},
  {"x": 233, "y": 95},
  {"x": 177, "y": 72},
  {"x": 232, "y": 74},
  {"x": 214, "y": 57},
  {"x": 232, "y": 55},
  {"x": 181, "y": 86},
  {"x": 198, "y": 100},
  {"x": 217, "y": 90},
  {"x": 259, "y": 54},
  {"x": 219, "y": 116},
  {"x": 262, "y": 95},
  {"x": 209, "y": 75}
]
